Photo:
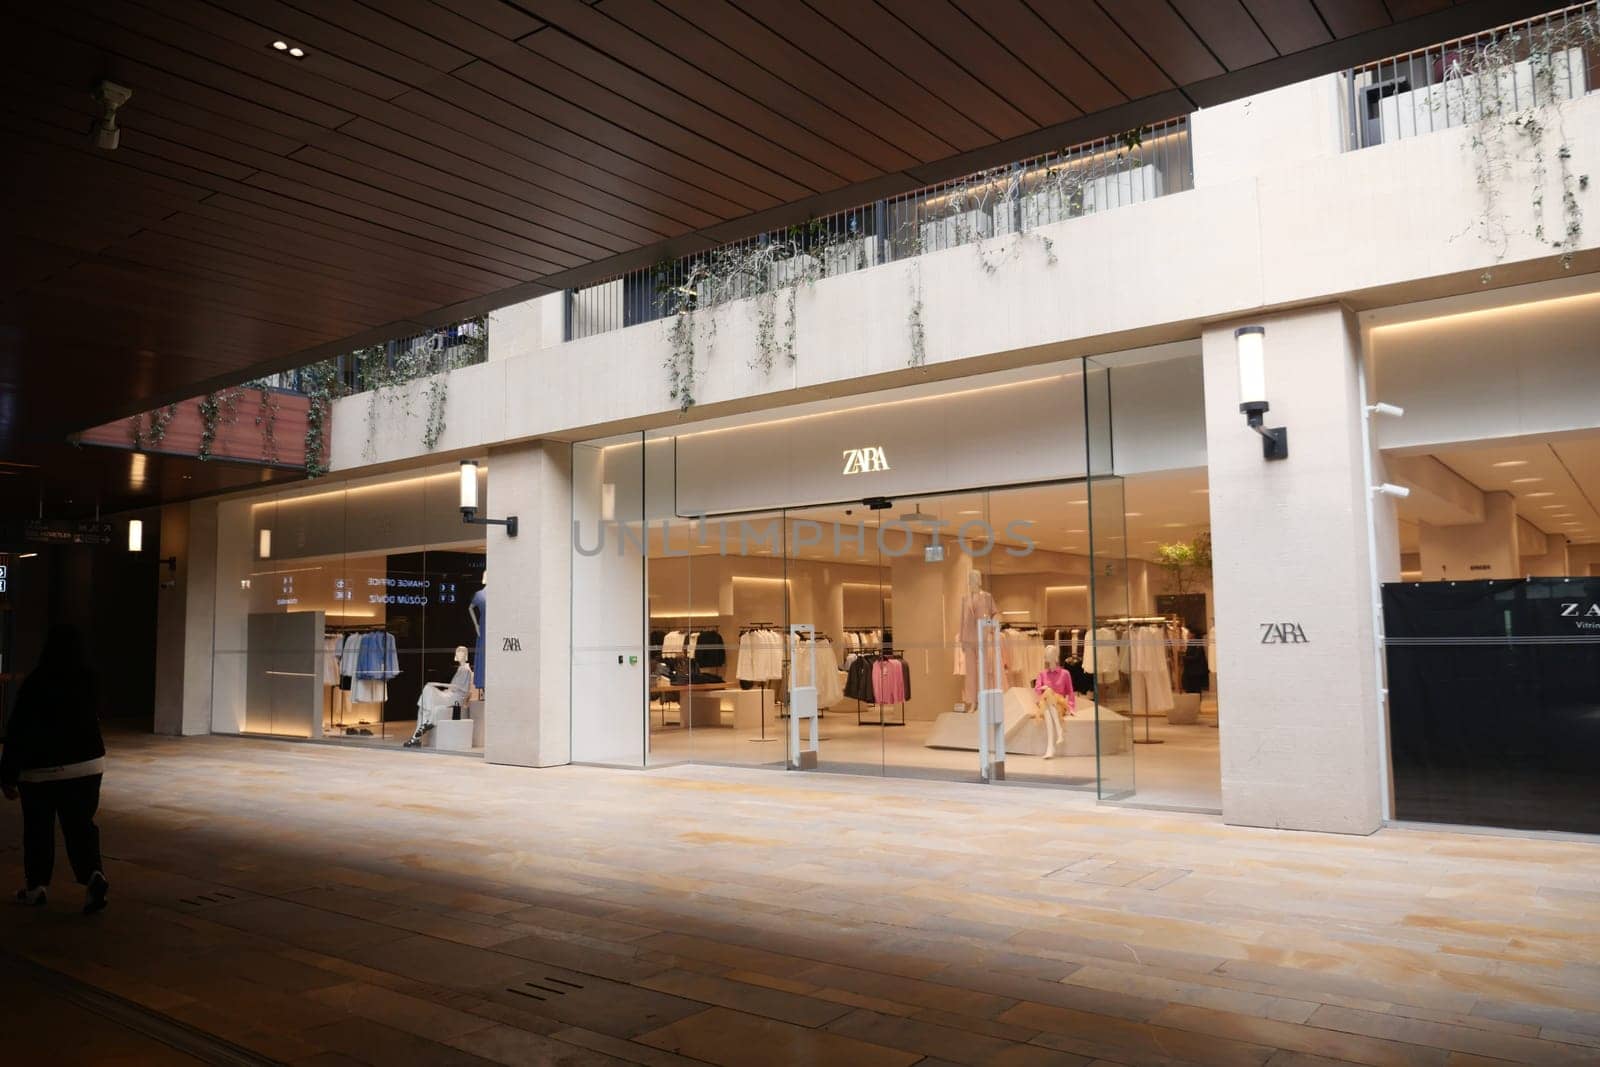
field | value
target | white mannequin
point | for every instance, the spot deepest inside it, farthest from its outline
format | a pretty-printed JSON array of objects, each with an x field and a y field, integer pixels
[
  {"x": 439, "y": 696},
  {"x": 1048, "y": 705},
  {"x": 975, "y": 606}
]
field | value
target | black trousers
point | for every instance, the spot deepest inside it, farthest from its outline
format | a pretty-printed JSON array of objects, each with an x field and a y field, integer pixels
[{"x": 72, "y": 801}]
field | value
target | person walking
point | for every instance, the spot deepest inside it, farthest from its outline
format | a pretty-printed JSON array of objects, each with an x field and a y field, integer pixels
[{"x": 54, "y": 758}]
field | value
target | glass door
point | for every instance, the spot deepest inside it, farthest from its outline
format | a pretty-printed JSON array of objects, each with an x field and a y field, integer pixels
[
  {"x": 1111, "y": 592},
  {"x": 837, "y": 582}
]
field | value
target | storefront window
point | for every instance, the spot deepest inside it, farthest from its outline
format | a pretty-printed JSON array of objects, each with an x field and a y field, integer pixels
[
  {"x": 887, "y": 529},
  {"x": 353, "y": 612}
]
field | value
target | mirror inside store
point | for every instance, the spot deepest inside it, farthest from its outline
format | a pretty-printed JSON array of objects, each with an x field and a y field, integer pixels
[{"x": 353, "y": 613}]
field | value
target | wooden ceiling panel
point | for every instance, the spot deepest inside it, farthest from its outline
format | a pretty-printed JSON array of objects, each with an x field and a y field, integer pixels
[
  {"x": 740, "y": 32},
  {"x": 1167, "y": 39},
  {"x": 900, "y": 46},
  {"x": 750, "y": 79},
  {"x": 432, "y": 159},
  {"x": 951, "y": 30},
  {"x": 1346, "y": 18},
  {"x": 1106, "y": 46},
  {"x": 833, "y": 52},
  {"x": 1228, "y": 30},
  {"x": 1291, "y": 25},
  {"x": 1018, "y": 28},
  {"x": 606, "y": 50}
]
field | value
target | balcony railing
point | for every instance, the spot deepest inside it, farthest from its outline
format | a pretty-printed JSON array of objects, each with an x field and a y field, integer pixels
[
  {"x": 405, "y": 359},
  {"x": 1019, "y": 197},
  {"x": 1491, "y": 76}
]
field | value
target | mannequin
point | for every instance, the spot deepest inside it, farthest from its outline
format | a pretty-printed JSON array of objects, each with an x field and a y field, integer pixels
[
  {"x": 478, "y": 612},
  {"x": 438, "y": 696},
  {"x": 977, "y": 604},
  {"x": 1053, "y": 693}
]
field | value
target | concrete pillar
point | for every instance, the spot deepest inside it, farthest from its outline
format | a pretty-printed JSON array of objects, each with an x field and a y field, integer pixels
[
  {"x": 1487, "y": 549},
  {"x": 1302, "y": 722},
  {"x": 529, "y": 641},
  {"x": 185, "y": 608}
]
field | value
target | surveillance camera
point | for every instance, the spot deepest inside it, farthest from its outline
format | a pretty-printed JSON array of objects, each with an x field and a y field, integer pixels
[
  {"x": 111, "y": 97},
  {"x": 1381, "y": 408},
  {"x": 1390, "y": 489}
]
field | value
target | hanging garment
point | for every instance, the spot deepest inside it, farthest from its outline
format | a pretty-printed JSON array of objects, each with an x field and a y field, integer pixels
[
  {"x": 974, "y": 606},
  {"x": 891, "y": 681},
  {"x": 858, "y": 684},
  {"x": 1196, "y": 673},
  {"x": 1149, "y": 673},
  {"x": 1106, "y": 655},
  {"x": 331, "y": 644},
  {"x": 479, "y": 609},
  {"x": 710, "y": 652},
  {"x": 348, "y": 654},
  {"x": 1211, "y": 651}
]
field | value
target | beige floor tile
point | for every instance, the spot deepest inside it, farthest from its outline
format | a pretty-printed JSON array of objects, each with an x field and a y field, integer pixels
[{"x": 733, "y": 1039}]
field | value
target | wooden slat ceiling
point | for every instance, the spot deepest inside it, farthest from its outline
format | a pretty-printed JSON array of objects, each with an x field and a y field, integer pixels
[{"x": 429, "y": 160}]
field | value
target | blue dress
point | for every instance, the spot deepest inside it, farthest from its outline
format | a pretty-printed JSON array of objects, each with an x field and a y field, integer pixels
[{"x": 480, "y": 611}]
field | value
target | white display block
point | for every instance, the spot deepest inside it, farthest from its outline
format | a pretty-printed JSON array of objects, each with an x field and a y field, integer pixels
[
  {"x": 746, "y": 705},
  {"x": 480, "y": 716},
  {"x": 450, "y": 735}
]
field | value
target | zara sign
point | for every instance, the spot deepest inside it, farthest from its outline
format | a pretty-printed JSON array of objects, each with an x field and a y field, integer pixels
[{"x": 865, "y": 460}]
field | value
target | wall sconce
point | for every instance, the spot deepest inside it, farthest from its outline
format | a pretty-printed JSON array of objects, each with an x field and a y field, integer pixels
[
  {"x": 135, "y": 535},
  {"x": 1251, "y": 344},
  {"x": 264, "y": 543},
  {"x": 469, "y": 501}
]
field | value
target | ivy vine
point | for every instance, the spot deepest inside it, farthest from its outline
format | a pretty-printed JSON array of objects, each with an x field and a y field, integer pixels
[
  {"x": 150, "y": 429},
  {"x": 322, "y": 385},
  {"x": 217, "y": 409},
  {"x": 1480, "y": 81},
  {"x": 390, "y": 377},
  {"x": 267, "y": 422}
]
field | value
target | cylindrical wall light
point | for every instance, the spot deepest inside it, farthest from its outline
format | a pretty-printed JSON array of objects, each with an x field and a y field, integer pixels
[
  {"x": 469, "y": 501},
  {"x": 135, "y": 535},
  {"x": 264, "y": 543},
  {"x": 1250, "y": 343}
]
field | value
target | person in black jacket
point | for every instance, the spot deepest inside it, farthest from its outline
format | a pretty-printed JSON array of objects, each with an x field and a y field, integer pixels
[{"x": 54, "y": 759}]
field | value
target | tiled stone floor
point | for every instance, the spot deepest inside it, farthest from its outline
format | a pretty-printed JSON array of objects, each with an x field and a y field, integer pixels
[{"x": 320, "y": 905}]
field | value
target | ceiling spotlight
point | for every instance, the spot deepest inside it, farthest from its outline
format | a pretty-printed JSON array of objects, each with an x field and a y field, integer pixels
[
  {"x": 282, "y": 46},
  {"x": 1512, "y": 463},
  {"x": 298, "y": 53},
  {"x": 1525, "y": 481}
]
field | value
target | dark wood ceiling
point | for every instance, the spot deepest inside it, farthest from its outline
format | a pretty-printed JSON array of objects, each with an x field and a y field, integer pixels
[{"x": 428, "y": 160}]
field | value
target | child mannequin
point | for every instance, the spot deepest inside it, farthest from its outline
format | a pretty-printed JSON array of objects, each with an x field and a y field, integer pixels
[{"x": 1053, "y": 691}]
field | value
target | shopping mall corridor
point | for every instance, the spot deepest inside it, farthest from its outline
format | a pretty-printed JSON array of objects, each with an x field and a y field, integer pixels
[{"x": 306, "y": 904}]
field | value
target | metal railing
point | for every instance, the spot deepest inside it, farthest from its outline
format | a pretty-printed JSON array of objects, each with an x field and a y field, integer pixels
[
  {"x": 1499, "y": 73},
  {"x": 427, "y": 353},
  {"x": 1019, "y": 197}
]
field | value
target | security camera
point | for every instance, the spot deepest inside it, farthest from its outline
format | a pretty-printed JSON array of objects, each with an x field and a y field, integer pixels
[
  {"x": 1390, "y": 489},
  {"x": 111, "y": 97},
  {"x": 1380, "y": 408}
]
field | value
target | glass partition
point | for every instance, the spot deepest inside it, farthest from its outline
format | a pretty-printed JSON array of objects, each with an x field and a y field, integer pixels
[{"x": 1107, "y": 655}]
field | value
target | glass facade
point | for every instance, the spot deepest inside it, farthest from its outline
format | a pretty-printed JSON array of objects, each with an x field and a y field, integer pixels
[
  {"x": 889, "y": 530},
  {"x": 352, "y": 611}
]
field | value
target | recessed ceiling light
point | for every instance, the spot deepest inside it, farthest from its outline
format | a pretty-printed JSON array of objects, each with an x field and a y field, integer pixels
[
  {"x": 1135, "y": 514},
  {"x": 1552, "y": 507},
  {"x": 1074, "y": 531},
  {"x": 1542, "y": 492},
  {"x": 1199, "y": 490},
  {"x": 1525, "y": 481},
  {"x": 1174, "y": 525},
  {"x": 1512, "y": 463},
  {"x": 298, "y": 53},
  {"x": 970, "y": 511},
  {"x": 282, "y": 46},
  {"x": 1568, "y": 515}
]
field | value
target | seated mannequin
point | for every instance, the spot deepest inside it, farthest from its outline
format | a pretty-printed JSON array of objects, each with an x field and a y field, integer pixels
[
  {"x": 1053, "y": 698},
  {"x": 439, "y": 696}
]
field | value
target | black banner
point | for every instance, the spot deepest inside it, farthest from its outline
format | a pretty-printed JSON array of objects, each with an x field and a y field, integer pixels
[{"x": 1494, "y": 702}]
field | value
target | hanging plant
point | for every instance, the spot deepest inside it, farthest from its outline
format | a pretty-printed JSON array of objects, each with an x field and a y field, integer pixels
[
  {"x": 267, "y": 422},
  {"x": 321, "y": 384},
  {"x": 150, "y": 429},
  {"x": 1479, "y": 80},
  {"x": 919, "y": 336},
  {"x": 217, "y": 409},
  {"x": 390, "y": 377}
]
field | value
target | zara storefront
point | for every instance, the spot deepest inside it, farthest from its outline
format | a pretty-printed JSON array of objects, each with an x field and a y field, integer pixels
[{"x": 919, "y": 562}]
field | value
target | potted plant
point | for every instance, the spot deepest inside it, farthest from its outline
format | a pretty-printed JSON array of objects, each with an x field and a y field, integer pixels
[{"x": 1185, "y": 563}]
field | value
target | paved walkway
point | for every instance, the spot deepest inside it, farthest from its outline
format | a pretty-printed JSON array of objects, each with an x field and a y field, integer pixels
[{"x": 329, "y": 906}]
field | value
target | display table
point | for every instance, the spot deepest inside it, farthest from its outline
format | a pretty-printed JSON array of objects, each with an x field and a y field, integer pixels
[
  {"x": 749, "y": 706},
  {"x": 1025, "y": 733},
  {"x": 698, "y": 705}
]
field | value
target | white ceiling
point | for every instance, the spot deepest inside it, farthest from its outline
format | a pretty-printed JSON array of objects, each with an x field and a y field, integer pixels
[{"x": 1556, "y": 482}]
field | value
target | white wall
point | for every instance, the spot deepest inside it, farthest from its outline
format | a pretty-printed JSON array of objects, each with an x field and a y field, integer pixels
[
  {"x": 1527, "y": 369},
  {"x": 1294, "y": 226},
  {"x": 1487, "y": 549}
]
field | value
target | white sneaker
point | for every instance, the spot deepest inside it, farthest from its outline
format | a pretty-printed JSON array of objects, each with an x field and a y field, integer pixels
[{"x": 31, "y": 898}]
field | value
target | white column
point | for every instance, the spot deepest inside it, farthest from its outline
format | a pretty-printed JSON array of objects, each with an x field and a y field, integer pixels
[
  {"x": 1302, "y": 723},
  {"x": 528, "y": 645},
  {"x": 185, "y": 609}
]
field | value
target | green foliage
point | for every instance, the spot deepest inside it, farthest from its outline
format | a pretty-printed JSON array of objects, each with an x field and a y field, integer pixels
[
  {"x": 150, "y": 429},
  {"x": 1185, "y": 561}
]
